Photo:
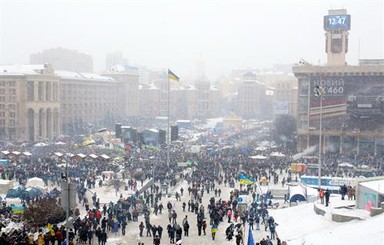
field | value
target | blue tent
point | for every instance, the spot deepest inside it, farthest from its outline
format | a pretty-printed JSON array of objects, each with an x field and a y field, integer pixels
[
  {"x": 15, "y": 192},
  {"x": 297, "y": 198}
]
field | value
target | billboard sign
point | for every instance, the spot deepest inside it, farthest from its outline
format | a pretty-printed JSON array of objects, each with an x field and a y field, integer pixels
[{"x": 355, "y": 96}]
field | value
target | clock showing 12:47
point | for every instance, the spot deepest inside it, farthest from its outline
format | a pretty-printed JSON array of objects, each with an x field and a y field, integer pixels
[{"x": 337, "y": 22}]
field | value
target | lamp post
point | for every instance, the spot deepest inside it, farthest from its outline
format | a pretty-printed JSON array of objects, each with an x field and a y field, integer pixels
[
  {"x": 319, "y": 92},
  {"x": 152, "y": 159}
]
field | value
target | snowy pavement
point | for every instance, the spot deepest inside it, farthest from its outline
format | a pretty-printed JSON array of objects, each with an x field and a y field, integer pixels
[{"x": 298, "y": 225}]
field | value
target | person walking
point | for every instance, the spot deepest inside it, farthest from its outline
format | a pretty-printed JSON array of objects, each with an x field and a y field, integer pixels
[
  {"x": 159, "y": 231},
  {"x": 186, "y": 228},
  {"x": 239, "y": 238},
  {"x": 103, "y": 237},
  {"x": 123, "y": 226},
  {"x": 156, "y": 240},
  {"x": 141, "y": 228}
]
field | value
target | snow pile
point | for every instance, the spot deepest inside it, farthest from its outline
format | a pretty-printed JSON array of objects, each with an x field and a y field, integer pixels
[{"x": 300, "y": 225}]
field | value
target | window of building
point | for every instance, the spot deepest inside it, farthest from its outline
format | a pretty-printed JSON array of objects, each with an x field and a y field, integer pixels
[
  {"x": 12, "y": 106},
  {"x": 30, "y": 91},
  {"x": 304, "y": 87},
  {"x": 2, "y": 98},
  {"x": 12, "y": 122},
  {"x": 48, "y": 91},
  {"x": 11, "y": 83},
  {"x": 12, "y": 114},
  {"x": 2, "y": 114},
  {"x": 2, "y": 122},
  {"x": 41, "y": 91},
  {"x": 2, "y": 106}
]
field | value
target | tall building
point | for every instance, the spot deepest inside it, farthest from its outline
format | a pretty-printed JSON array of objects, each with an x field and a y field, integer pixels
[
  {"x": 88, "y": 101},
  {"x": 336, "y": 25},
  {"x": 128, "y": 78},
  {"x": 38, "y": 103},
  {"x": 284, "y": 87},
  {"x": 29, "y": 103},
  {"x": 251, "y": 97},
  {"x": 63, "y": 59},
  {"x": 352, "y": 105}
]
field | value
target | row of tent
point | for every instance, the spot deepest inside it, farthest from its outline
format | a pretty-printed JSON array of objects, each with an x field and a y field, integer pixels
[
  {"x": 16, "y": 153},
  {"x": 82, "y": 156},
  {"x": 58, "y": 154},
  {"x": 32, "y": 192},
  {"x": 21, "y": 191},
  {"x": 262, "y": 157}
]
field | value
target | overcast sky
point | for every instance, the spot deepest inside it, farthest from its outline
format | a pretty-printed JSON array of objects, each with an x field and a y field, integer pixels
[{"x": 227, "y": 34}]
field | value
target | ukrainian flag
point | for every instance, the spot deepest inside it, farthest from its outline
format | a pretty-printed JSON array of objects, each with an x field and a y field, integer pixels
[
  {"x": 172, "y": 76},
  {"x": 245, "y": 180},
  {"x": 214, "y": 228}
]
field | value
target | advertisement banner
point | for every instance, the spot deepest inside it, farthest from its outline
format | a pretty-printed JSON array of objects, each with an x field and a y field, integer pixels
[{"x": 357, "y": 96}]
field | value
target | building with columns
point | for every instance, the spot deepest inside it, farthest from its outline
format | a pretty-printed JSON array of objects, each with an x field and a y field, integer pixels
[
  {"x": 88, "y": 100},
  {"x": 29, "y": 103}
]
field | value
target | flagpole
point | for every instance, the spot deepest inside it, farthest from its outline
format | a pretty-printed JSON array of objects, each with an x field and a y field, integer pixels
[{"x": 168, "y": 114}]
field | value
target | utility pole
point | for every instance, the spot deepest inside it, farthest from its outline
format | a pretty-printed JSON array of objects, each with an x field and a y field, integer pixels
[{"x": 319, "y": 92}]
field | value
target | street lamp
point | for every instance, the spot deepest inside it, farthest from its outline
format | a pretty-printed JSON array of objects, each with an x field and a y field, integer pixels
[
  {"x": 319, "y": 92},
  {"x": 152, "y": 159}
]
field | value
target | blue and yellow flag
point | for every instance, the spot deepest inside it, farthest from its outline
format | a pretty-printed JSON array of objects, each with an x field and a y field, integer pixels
[
  {"x": 245, "y": 180},
  {"x": 214, "y": 228},
  {"x": 172, "y": 76},
  {"x": 251, "y": 241}
]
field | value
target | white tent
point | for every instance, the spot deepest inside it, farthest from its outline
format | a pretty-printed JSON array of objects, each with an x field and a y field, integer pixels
[
  {"x": 261, "y": 148},
  {"x": 5, "y": 152},
  {"x": 27, "y": 153},
  {"x": 58, "y": 154},
  {"x": 5, "y": 185},
  {"x": 277, "y": 154},
  {"x": 346, "y": 165},
  {"x": 93, "y": 156},
  {"x": 35, "y": 182},
  {"x": 105, "y": 157},
  {"x": 258, "y": 157},
  {"x": 16, "y": 153}
]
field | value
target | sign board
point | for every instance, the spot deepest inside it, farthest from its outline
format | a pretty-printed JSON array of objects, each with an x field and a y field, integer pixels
[
  {"x": 68, "y": 193},
  {"x": 4, "y": 163},
  {"x": 242, "y": 199}
]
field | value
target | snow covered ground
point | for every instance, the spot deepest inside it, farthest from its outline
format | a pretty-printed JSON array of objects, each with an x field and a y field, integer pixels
[{"x": 297, "y": 225}]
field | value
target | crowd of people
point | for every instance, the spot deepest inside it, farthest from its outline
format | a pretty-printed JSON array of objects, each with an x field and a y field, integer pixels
[{"x": 204, "y": 198}]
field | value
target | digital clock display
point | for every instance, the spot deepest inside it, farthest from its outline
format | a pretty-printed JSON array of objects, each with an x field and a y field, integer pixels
[{"x": 337, "y": 22}]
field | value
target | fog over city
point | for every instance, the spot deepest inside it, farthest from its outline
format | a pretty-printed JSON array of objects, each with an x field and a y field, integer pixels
[{"x": 224, "y": 35}]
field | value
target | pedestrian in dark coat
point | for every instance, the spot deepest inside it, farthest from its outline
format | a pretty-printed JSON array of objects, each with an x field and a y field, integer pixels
[
  {"x": 156, "y": 240},
  {"x": 104, "y": 237},
  {"x": 186, "y": 228},
  {"x": 327, "y": 194},
  {"x": 160, "y": 230}
]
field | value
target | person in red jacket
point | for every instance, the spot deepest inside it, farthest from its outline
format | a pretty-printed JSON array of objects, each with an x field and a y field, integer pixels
[{"x": 98, "y": 216}]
